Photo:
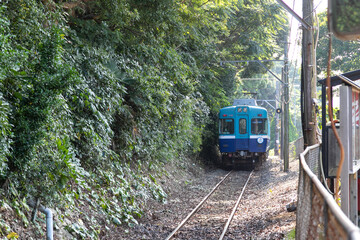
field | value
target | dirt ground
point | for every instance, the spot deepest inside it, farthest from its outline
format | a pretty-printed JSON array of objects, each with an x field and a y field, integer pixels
[{"x": 261, "y": 214}]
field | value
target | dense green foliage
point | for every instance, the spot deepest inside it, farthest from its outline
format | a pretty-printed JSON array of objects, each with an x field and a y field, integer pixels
[
  {"x": 345, "y": 55},
  {"x": 105, "y": 90}
]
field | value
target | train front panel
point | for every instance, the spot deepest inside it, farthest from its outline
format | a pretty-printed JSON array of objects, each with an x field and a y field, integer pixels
[
  {"x": 243, "y": 134},
  {"x": 259, "y": 130}
]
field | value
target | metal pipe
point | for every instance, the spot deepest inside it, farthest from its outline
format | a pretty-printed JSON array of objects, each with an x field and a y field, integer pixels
[
  {"x": 49, "y": 218},
  {"x": 49, "y": 222}
]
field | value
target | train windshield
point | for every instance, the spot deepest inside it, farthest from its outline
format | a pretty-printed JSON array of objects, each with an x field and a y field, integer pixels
[
  {"x": 259, "y": 126},
  {"x": 242, "y": 126},
  {"x": 227, "y": 126}
]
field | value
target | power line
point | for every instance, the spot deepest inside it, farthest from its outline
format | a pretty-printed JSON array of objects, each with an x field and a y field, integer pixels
[
  {"x": 240, "y": 61},
  {"x": 260, "y": 79},
  {"x": 259, "y": 62}
]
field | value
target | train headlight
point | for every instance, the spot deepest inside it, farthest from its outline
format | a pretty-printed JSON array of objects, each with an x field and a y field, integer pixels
[
  {"x": 245, "y": 110},
  {"x": 239, "y": 110},
  {"x": 260, "y": 140}
]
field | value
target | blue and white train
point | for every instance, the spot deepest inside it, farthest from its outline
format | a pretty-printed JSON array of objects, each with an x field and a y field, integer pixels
[{"x": 244, "y": 134}]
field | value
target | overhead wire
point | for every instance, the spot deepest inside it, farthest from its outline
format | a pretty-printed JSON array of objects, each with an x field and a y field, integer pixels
[
  {"x": 293, "y": 52},
  {"x": 313, "y": 11},
  {"x": 318, "y": 5}
]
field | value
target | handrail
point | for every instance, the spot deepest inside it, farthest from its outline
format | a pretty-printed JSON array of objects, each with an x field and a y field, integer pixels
[{"x": 340, "y": 216}]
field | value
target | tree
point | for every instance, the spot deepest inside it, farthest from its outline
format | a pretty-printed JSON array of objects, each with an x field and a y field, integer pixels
[
  {"x": 345, "y": 54},
  {"x": 105, "y": 90}
]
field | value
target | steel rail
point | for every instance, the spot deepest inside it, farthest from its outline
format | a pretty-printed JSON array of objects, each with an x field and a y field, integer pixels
[
  {"x": 235, "y": 208},
  {"x": 197, "y": 207}
]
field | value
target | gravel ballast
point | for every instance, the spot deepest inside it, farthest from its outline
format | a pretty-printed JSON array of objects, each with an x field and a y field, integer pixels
[{"x": 261, "y": 213}]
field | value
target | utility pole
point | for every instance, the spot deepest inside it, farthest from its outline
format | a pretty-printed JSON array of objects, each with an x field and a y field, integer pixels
[
  {"x": 285, "y": 113},
  {"x": 282, "y": 118},
  {"x": 286, "y": 108},
  {"x": 308, "y": 71},
  {"x": 308, "y": 77},
  {"x": 277, "y": 121}
]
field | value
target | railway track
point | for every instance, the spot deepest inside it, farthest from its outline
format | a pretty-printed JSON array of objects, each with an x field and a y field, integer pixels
[{"x": 204, "y": 219}]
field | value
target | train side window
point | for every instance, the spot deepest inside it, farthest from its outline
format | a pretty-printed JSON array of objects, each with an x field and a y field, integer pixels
[
  {"x": 259, "y": 126},
  {"x": 242, "y": 126},
  {"x": 227, "y": 126}
]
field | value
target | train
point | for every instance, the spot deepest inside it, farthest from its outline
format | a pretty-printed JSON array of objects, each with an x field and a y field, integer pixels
[{"x": 244, "y": 134}]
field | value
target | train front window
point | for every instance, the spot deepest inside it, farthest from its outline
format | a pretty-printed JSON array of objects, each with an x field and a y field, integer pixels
[
  {"x": 242, "y": 126},
  {"x": 227, "y": 126},
  {"x": 259, "y": 126}
]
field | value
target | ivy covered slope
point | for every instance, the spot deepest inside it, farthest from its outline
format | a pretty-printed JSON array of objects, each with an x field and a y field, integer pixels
[{"x": 97, "y": 94}]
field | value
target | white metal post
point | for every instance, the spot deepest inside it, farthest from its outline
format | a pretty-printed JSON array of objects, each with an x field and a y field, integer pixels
[
  {"x": 345, "y": 135},
  {"x": 349, "y": 188}
]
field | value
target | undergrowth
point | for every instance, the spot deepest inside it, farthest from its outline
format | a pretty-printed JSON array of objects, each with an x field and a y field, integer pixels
[
  {"x": 96, "y": 95},
  {"x": 113, "y": 197}
]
